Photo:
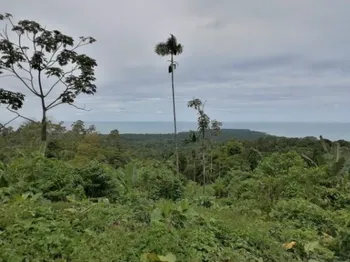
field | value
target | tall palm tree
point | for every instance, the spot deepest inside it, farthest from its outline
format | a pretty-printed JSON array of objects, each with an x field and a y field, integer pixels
[{"x": 171, "y": 47}]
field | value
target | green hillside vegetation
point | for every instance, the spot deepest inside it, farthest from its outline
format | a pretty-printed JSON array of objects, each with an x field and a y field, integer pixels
[
  {"x": 93, "y": 197},
  {"x": 203, "y": 196}
]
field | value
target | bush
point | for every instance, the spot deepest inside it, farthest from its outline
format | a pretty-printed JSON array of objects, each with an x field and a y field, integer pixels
[
  {"x": 99, "y": 181},
  {"x": 56, "y": 179},
  {"x": 162, "y": 183},
  {"x": 37, "y": 174}
]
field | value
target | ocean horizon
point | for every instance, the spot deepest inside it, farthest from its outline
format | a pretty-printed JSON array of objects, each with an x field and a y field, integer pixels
[{"x": 331, "y": 130}]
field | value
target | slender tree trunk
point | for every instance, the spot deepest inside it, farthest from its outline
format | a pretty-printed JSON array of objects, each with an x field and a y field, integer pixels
[
  {"x": 174, "y": 113},
  {"x": 203, "y": 161},
  {"x": 194, "y": 167},
  {"x": 44, "y": 128},
  {"x": 211, "y": 162},
  {"x": 44, "y": 110},
  {"x": 204, "y": 175}
]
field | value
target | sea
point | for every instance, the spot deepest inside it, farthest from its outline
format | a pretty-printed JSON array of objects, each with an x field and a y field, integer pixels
[{"x": 332, "y": 131}]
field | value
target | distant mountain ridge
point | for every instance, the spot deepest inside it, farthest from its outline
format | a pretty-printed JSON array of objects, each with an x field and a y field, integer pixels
[{"x": 225, "y": 134}]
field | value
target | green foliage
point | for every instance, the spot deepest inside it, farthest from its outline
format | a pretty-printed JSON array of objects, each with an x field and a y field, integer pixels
[
  {"x": 162, "y": 183},
  {"x": 99, "y": 181},
  {"x": 14, "y": 100},
  {"x": 37, "y": 174}
]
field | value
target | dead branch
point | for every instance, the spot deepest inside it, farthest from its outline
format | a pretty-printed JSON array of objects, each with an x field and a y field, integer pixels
[
  {"x": 19, "y": 115},
  {"x": 80, "y": 108},
  {"x": 2, "y": 126}
]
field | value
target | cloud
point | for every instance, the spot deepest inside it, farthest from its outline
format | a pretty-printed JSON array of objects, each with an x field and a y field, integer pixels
[{"x": 251, "y": 60}]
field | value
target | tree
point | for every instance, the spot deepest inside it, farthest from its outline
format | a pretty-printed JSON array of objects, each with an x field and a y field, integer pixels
[
  {"x": 205, "y": 126},
  {"x": 214, "y": 130},
  {"x": 47, "y": 54},
  {"x": 113, "y": 139},
  {"x": 171, "y": 47},
  {"x": 193, "y": 138},
  {"x": 78, "y": 127}
]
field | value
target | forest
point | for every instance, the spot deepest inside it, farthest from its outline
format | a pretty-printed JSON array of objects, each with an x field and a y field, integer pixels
[{"x": 212, "y": 194}]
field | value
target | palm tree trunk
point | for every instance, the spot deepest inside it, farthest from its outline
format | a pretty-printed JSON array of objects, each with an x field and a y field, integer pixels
[
  {"x": 204, "y": 174},
  {"x": 194, "y": 167},
  {"x": 203, "y": 161},
  {"x": 211, "y": 162},
  {"x": 174, "y": 113}
]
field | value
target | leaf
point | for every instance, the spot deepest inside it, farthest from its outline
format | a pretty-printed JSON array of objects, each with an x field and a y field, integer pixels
[
  {"x": 14, "y": 100},
  {"x": 36, "y": 196},
  {"x": 89, "y": 232},
  {"x": 18, "y": 197},
  {"x": 156, "y": 215},
  {"x": 310, "y": 246},
  {"x": 152, "y": 257},
  {"x": 308, "y": 159},
  {"x": 338, "y": 166},
  {"x": 71, "y": 198},
  {"x": 168, "y": 258},
  {"x": 289, "y": 245},
  {"x": 26, "y": 195},
  {"x": 71, "y": 210},
  {"x": 324, "y": 145}
]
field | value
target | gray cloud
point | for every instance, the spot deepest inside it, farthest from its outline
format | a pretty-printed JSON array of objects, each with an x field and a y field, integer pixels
[{"x": 252, "y": 60}]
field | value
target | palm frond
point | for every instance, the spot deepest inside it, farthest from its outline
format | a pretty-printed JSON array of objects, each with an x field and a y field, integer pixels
[
  {"x": 171, "y": 46},
  {"x": 179, "y": 49},
  {"x": 196, "y": 103},
  {"x": 162, "y": 49}
]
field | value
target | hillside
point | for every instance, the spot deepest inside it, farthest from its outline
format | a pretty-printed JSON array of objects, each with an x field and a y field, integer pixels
[{"x": 93, "y": 197}]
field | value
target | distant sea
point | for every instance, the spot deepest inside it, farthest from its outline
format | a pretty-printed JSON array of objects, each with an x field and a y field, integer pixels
[{"x": 333, "y": 131}]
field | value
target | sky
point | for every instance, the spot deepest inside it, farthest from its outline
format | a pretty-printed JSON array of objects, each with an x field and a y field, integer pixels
[{"x": 252, "y": 60}]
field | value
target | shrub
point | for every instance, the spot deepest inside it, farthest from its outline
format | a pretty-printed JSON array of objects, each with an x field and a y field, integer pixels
[
  {"x": 162, "y": 183},
  {"x": 99, "y": 181},
  {"x": 37, "y": 174}
]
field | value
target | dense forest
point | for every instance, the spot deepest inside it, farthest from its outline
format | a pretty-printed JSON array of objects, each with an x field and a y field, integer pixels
[{"x": 206, "y": 195}]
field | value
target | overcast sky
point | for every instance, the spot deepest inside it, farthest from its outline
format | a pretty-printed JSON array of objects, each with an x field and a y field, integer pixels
[{"x": 251, "y": 60}]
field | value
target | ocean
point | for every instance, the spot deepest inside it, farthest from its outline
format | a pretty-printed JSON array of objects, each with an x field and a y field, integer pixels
[{"x": 333, "y": 131}]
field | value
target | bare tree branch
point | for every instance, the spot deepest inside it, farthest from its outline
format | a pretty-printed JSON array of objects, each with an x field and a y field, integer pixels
[
  {"x": 80, "y": 108},
  {"x": 21, "y": 79},
  {"x": 19, "y": 115},
  {"x": 52, "y": 105},
  {"x": 77, "y": 107},
  {"x": 2, "y": 126},
  {"x": 5, "y": 36},
  {"x": 28, "y": 60},
  {"x": 52, "y": 62},
  {"x": 3, "y": 76},
  {"x": 60, "y": 79}
]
